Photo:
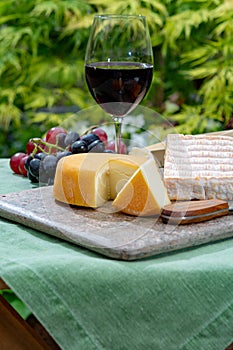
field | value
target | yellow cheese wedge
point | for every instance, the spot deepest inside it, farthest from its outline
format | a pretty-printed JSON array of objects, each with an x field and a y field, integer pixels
[
  {"x": 91, "y": 179},
  {"x": 120, "y": 171},
  {"x": 144, "y": 194}
]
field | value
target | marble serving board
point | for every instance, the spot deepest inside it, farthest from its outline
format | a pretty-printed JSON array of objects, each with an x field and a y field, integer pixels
[{"x": 112, "y": 234}]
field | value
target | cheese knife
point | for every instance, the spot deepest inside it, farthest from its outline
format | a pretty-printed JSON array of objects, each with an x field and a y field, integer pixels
[{"x": 186, "y": 212}]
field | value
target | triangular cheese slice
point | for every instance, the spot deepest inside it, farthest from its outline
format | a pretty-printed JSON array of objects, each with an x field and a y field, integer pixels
[{"x": 144, "y": 194}]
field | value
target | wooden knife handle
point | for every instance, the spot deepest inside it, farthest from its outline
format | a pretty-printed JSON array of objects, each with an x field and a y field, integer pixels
[{"x": 185, "y": 212}]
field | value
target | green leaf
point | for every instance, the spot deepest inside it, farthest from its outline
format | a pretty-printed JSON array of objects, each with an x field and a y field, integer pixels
[{"x": 9, "y": 113}]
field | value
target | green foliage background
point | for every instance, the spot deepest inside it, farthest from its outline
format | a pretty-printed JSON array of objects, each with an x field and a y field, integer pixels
[{"x": 42, "y": 48}]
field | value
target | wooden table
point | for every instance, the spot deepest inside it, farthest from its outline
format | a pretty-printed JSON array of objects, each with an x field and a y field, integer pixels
[{"x": 18, "y": 334}]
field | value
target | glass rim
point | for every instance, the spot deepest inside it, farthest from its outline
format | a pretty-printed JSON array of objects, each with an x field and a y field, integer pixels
[{"x": 109, "y": 15}]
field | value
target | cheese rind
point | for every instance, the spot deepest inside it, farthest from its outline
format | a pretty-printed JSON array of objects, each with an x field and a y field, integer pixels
[
  {"x": 91, "y": 179},
  {"x": 73, "y": 186},
  {"x": 144, "y": 194},
  {"x": 199, "y": 167}
]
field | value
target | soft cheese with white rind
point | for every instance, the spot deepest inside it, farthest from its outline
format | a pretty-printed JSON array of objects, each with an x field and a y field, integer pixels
[
  {"x": 199, "y": 167},
  {"x": 91, "y": 179},
  {"x": 144, "y": 194}
]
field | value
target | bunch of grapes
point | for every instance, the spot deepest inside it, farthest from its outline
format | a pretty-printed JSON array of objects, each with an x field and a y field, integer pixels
[{"x": 40, "y": 160}]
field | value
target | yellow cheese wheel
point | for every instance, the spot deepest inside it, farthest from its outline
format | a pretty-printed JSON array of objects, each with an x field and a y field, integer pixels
[
  {"x": 144, "y": 194},
  {"x": 91, "y": 179}
]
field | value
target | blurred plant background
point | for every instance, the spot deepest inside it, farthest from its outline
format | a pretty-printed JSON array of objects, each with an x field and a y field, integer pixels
[{"x": 42, "y": 48}]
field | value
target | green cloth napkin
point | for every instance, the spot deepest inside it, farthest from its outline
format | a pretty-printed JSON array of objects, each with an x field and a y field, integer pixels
[{"x": 179, "y": 301}]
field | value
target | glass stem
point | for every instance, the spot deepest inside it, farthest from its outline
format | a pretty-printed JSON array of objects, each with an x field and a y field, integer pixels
[{"x": 118, "y": 125}]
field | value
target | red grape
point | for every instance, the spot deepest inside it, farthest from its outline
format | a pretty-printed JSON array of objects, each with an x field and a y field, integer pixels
[
  {"x": 22, "y": 169},
  {"x": 15, "y": 160},
  {"x": 101, "y": 134},
  {"x": 51, "y": 135},
  {"x": 30, "y": 147},
  {"x": 111, "y": 146}
]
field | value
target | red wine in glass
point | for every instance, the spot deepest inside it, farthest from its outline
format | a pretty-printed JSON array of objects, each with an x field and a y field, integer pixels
[
  {"x": 119, "y": 64},
  {"x": 122, "y": 82}
]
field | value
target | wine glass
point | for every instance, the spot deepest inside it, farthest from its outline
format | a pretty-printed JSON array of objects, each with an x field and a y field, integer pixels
[{"x": 119, "y": 65}]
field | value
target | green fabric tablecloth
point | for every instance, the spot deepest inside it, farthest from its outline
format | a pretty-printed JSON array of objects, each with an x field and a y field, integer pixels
[{"x": 182, "y": 300}]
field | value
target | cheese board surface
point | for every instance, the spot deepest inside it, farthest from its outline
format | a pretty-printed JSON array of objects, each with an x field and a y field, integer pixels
[{"x": 104, "y": 231}]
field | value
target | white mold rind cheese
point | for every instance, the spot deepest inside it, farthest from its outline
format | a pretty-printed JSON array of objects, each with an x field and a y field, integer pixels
[{"x": 199, "y": 167}]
